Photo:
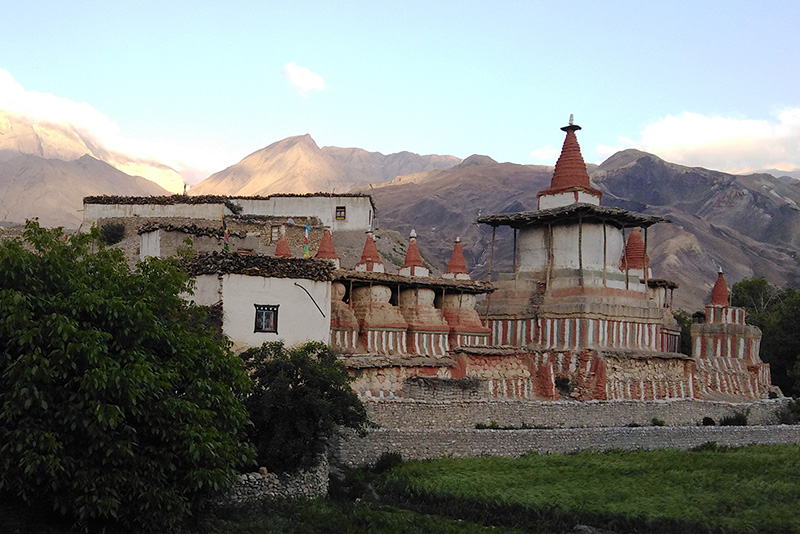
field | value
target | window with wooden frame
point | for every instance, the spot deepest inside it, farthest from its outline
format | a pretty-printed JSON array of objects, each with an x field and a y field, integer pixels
[{"x": 266, "y": 318}]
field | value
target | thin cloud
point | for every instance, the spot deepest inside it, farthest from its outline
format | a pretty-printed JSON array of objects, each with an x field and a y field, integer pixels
[
  {"x": 93, "y": 125},
  {"x": 721, "y": 143},
  {"x": 546, "y": 154},
  {"x": 45, "y": 107},
  {"x": 303, "y": 78}
]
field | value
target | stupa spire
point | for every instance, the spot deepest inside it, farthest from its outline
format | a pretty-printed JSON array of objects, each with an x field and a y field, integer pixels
[
  {"x": 570, "y": 175},
  {"x": 370, "y": 260},
  {"x": 282, "y": 248},
  {"x": 326, "y": 249},
  {"x": 635, "y": 256},
  {"x": 719, "y": 295}
]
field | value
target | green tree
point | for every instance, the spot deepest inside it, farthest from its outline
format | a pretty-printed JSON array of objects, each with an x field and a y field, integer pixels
[
  {"x": 118, "y": 409},
  {"x": 300, "y": 395},
  {"x": 776, "y": 312}
]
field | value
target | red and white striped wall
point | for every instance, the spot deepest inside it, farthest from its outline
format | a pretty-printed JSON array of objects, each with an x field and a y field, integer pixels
[
  {"x": 465, "y": 339},
  {"x": 511, "y": 388},
  {"x": 729, "y": 376},
  {"x": 725, "y": 314},
  {"x": 648, "y": 389},
  {"x": 385, "y": 341},
  {"x": 344, "y": 339},
  {"x": 516, "y": 332},
  {"x": 575, "y": 333},
  {"x": 726, "y": 345},
  {"x": 428, "y": 343}
]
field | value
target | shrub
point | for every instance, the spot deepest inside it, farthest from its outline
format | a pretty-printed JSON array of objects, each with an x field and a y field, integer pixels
[
  {"x": 112, "y": 233},
  {"x": 300, "y": 395},
  {"x": 790, "y": 414},
  {"x": 118, "y": 409},
  {"x": 387, "y": 461},
  {"x": 563, "y": 386},
  {"x": 707, "y": 421},
  {"x": 736, "y": 419},
  {"x": 655, "y": 421}
]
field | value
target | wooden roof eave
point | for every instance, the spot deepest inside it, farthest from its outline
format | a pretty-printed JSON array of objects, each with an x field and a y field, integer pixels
[{"x": 566, "y": 214}]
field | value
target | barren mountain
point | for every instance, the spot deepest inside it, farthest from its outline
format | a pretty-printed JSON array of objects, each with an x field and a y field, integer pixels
[
  {"x": 53, "y": 190},
  {"x": 298, "y": 165},
  {"x": 380, "y": 168},
  {"x": 748, "y": 225},
  {"x": 293, "y": 165},
  {"x": 20, "y": 135}
]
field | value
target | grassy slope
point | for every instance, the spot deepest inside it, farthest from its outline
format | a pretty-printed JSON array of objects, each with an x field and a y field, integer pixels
[{"x": 750, "y": 489}]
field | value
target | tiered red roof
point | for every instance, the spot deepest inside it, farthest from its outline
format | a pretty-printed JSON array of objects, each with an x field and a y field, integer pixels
[
  {"x": 370, "y": 254},
  {"x": 719, "y": 295},
  {"x": 326, "y": 249},
  {"x": 282, "y": 248},
  {"x": 457, "y": 265},
  {"x": 570, "y": 172},
  {"x": 635, "y": 256},
  {"x": 413, "y": 259}
]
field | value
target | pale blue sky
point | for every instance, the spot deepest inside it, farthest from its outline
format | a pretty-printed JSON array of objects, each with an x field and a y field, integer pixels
[{"x": 206, "y": 83}]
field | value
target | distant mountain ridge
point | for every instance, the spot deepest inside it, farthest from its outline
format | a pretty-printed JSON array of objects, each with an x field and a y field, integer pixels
[
  {"x": 52, "y": 190},
  {"x": 748, "y": 225},
  {"x": 20, "y": 135},
  {"x": 298, "y": 165}
]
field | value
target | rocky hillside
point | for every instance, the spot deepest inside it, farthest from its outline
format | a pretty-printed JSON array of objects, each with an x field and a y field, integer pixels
[
  {"x": 53, "y": 190},
  {"x": 748, "y": 225}
]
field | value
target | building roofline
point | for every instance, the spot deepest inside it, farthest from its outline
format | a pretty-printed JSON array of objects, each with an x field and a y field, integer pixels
[
  {"x": 259, "y": 265},
  {"x": 368, "y": 277},
  {"x": 580, "y": 210},
  {"x": 211, "y": 199}
]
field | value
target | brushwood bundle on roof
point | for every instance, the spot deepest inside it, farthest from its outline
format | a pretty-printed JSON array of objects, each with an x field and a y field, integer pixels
[
  {"x": 255, "y": 265},
  {"x": 191, "y": 229}
]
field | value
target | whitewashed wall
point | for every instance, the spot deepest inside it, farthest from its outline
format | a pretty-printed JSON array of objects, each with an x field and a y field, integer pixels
[
  {"x": 533, "y": 249},
  {"x": 93, "y": 212},
  {"x": 299, "y": 320},
  {"x": 359, "y": 210}
]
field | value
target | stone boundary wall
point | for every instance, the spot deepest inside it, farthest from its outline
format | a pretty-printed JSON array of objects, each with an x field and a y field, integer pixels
[
  {"x": 421, "y": 444},
  {"x": 256, "y": 487},
  {"x": 465, "y": 414}
]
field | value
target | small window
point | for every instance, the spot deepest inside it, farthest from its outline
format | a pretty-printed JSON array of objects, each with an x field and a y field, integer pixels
[
  {"x": 341, "y": 213},
  {"x": 266, "y": 318},
  {"x": 275, "y": 234}
]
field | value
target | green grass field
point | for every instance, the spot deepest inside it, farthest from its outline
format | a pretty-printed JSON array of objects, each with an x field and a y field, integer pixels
[{"x": 750, "y": 489}]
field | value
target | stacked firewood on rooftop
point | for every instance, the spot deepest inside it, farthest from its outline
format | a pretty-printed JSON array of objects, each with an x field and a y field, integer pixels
[{"x": 256, "y": 265}]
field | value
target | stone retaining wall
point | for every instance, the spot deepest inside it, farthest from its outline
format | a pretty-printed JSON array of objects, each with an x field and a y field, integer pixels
[
  {"x": 255, "y": 487},
  {"x": 420, "y": 444},
  {"x": 465, "y": 414}
]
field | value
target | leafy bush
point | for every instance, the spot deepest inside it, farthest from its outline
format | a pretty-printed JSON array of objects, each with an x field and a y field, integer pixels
[
  {"x": 655, "y": 421},
  {"x": 736, "y": 419},
  {"x": 117, "y": 408},
  {"x": 300, "y": 395},
  {"x": 386, "y": 461},
  {"x": 708, "y": 421},
  {"x": 112, "y": 233},
  {"x": 790, "y": 414}
]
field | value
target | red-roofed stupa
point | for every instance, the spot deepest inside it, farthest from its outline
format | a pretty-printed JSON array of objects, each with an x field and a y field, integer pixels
[
  {"x": 326, "y": 249},
  {"x": 282, "y": 248},
  {"x": 370, "y": 260},
  {"x": 719, "y": 295},
  {"x": 413, "y": 265},
  {"x": 457, "y": 267},
  {"x": 635, "y": 257},
  {"x": 570, "y": 181}
]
